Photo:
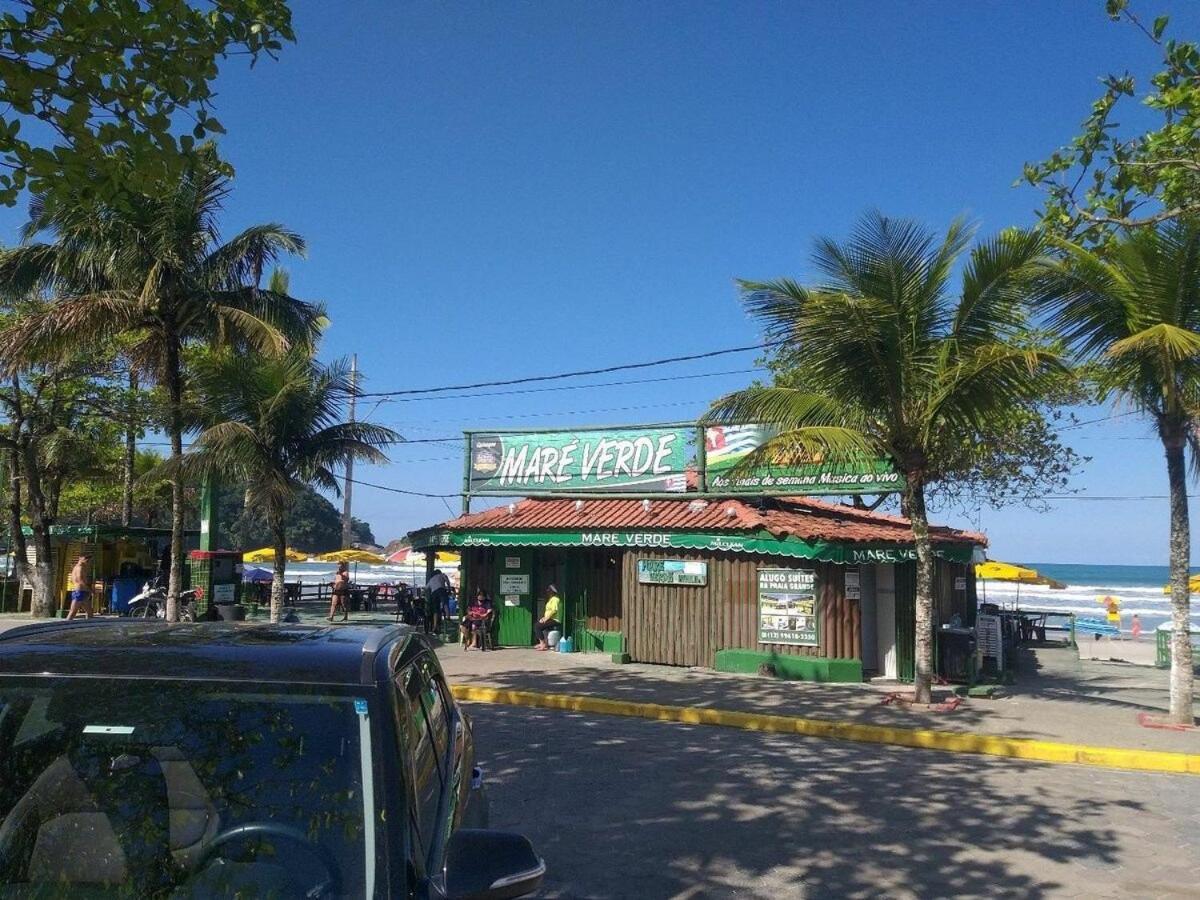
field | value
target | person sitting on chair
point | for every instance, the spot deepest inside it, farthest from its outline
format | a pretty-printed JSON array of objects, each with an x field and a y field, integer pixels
[
  {"x": 477, "y": 620},
  {"x": 550, "y": 620}
]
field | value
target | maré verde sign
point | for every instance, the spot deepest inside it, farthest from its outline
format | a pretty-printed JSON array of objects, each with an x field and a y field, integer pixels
[
  {"x": 628, "y": 459},
  {"x": 759, "y": 542},
  {"x": 727, "y": 446},
  {"x": 657, "y": 459},
  {"x": 672, "y": 571}
]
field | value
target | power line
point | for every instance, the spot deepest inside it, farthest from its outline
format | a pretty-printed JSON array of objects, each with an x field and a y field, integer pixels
[
  {"x": 393, "y": 490},
  {"x": 1110, "y": 497},
  {"x": 573, "y": 387},
  {"x": 1132, "y": 412},
  {"x": 577, "y": 374},
  {"x": 544, "y": 415}
]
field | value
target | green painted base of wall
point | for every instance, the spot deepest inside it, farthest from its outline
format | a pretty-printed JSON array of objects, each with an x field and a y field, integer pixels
[
  {"x": 599, "y": 641},
  {"x": 794, "y": 668}
]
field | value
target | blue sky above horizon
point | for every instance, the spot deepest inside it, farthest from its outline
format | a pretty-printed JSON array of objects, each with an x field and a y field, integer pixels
[{"x": 495, "y": 190}]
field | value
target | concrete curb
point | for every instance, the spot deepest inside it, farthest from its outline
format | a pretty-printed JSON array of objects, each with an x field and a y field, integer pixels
[{"x": 952, "y": 742}]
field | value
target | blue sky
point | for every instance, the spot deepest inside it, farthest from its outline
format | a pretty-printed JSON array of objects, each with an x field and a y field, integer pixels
[{"x": 492, "y": 190}]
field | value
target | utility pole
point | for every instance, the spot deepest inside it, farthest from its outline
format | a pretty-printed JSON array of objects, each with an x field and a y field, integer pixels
[{"x": 347, "y": 490}]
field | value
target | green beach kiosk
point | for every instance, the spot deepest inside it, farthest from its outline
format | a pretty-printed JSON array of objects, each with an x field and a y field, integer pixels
[{"x": 819, "y": 590}]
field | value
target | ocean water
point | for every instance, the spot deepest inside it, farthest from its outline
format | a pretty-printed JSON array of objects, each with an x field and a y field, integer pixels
[{"x": 1139, "y": 588}]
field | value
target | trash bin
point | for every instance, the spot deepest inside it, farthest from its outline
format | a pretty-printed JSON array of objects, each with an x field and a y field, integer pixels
[
  {"x": 956, "y": 654},
  {"x": 123, "y": 590}
]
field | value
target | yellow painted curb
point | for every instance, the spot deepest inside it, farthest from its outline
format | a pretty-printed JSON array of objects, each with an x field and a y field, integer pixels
[{"x": 953, "y": 742}]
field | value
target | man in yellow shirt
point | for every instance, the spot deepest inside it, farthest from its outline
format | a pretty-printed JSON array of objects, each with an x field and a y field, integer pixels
[{"x": 550, "y": 620}]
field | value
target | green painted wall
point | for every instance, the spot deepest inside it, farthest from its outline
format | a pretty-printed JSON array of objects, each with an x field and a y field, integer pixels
[
  {"x": 588, "y": 641},
  {"x": 795, "y": 668}
]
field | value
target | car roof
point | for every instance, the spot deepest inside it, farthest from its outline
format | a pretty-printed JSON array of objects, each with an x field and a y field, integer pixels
[{"x": 293, "y": 654}]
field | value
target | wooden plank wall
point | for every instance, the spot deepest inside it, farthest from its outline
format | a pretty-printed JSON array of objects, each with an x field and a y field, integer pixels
[
  {"x": 598, "y": 577},
  {"x": 478, "y": 569},
  {"x": 686, "y": 626}
]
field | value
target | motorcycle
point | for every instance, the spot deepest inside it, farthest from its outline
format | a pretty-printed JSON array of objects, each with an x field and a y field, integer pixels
[{"x": 151, "y": 603}]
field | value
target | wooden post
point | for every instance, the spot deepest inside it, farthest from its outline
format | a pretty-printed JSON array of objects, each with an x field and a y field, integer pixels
[{"x": 209, "y": 534}]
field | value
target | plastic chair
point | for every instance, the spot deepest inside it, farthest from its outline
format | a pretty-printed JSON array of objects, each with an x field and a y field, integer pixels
[{"x": 488, "y": 639}]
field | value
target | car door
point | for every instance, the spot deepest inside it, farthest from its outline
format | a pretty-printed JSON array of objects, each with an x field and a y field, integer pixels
[{"x": 421, "y": 750}]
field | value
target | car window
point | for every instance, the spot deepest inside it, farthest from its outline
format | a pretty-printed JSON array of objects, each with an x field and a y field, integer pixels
[
  {"x": 414, "y": 725},
  {"x": 434, "y": 703},
  {"x": 151, "y": 788}
]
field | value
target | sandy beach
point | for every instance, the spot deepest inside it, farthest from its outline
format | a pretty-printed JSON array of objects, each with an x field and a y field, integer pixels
[{"x": 1124, "y": 649}]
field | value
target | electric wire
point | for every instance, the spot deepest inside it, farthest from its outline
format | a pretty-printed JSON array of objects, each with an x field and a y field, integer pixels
[{"x": 558, "y": 376}]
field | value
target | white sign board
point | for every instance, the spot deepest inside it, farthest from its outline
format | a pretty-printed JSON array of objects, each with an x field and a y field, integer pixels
[
  {"x": 223, "y": 593},
  {"x": 512, "y": 562},
  {"x": 512, "y": 600},
  {"x": 514, "y": 584},
  {"x": 960, "y": 583},
  {"x": 853, "y": 588}
]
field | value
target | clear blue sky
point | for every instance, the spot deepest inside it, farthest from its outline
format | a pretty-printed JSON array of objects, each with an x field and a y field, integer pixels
[{"x": 497, "y": 189}]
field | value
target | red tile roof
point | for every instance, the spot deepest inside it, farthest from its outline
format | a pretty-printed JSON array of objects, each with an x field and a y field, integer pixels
[{"x": 801, "y": 517}]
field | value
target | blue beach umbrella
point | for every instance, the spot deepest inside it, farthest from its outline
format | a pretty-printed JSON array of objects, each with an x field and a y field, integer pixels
[{"x": 256, "y": 575}]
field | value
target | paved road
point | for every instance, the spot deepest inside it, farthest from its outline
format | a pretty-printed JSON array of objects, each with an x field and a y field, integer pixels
[{"x": 640, "y": 809}]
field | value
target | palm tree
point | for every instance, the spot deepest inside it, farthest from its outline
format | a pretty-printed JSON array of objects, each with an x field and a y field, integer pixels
[
  {"x": 154, "y": 272},
  {"x": 893, "y": 364},
  {"x": 275, "y": 426},
  {"x": 1132, "y": 314}
]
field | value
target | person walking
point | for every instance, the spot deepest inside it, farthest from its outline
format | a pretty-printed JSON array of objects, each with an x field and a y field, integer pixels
[
  {"x": 81, "y": 596},
  {"x": 341, "y": 592},
  {"x": 550, "y": 620},
  {"x": 437, "y": 589},
  {"x": 1136, "y": 627}
]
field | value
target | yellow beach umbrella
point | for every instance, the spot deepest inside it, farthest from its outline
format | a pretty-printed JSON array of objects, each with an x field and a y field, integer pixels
[
  {"x": 351, "y": 555},
  {"x": 267, "y": 554},
  {"x": 1193, "y": 585},
  {"x": 994, "y": 570}
]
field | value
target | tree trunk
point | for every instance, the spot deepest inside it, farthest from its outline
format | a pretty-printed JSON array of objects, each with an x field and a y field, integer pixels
[
  {"x": 914, "y": 501},
  {"x": 173, "y": 376},
  {"x": 127, "y": 462},
  {"x": 17, "y": 549},
  {"x": 279, "y": 535},
  {"x": 1180, "y": 563},
  {"x": 45, "y": 604}
]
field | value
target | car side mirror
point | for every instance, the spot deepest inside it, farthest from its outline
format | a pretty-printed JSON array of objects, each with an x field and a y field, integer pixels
[{"x": 491, "y": 865}]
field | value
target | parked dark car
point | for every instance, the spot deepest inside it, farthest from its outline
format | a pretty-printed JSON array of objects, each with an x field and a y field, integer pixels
[{"x": 214, "y": 760}]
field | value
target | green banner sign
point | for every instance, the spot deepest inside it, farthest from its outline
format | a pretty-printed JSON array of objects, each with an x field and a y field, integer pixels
[
  {"x": 632, "y": 460},
  {"x": 672, "y": 571},
  {"x": 761, "y": 542},
  {"x": 728, "y": 445},
  {"x": 788, "y": 610}
]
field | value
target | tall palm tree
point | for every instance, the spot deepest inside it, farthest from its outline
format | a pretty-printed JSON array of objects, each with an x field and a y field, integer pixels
[
  {"x": 275, "y": 425},
  {"x": 155, "y": 272},
  {"x": 895, "y": 364},
  {"x": 1133, "y": 316}
]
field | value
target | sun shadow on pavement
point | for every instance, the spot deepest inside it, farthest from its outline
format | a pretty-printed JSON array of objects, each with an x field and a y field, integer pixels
[{"x": 626, "y": 807}]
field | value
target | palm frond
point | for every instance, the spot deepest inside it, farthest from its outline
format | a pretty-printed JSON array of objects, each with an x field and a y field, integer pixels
[
  {"x": 242, "y": 260},
  {"x": 69, "y": 326},
  {"x": 994, "y": 286},
  {"x": 1164, "y": 340},
  {"x": 981, "y": 385},
  {"x": 782, "y": 407}
]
